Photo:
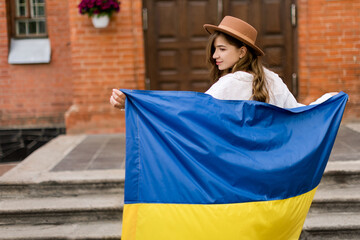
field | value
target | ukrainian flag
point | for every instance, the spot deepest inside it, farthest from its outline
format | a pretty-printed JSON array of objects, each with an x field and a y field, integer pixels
[{"x": 199, "y": 168}]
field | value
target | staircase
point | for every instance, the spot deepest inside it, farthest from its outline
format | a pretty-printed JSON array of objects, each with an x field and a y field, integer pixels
[
  {"x": 92, "y": 209},
  {"x": 335, "y": 211},
  {"x": 71, "y": 209},
  {"x": 37, "y": 202}
]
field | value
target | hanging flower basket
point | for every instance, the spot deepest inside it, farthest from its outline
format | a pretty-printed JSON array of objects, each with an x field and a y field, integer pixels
[
  {"x": 100, "y": 11},
  {"x": 100, "y": 21}
]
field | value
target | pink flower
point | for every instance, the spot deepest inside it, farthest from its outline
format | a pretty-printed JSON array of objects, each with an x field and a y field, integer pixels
[{"x": 92, "y": 7}]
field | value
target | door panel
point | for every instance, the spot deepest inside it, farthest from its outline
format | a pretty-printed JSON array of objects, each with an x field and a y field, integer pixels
[
  {"x": 175, "y": 40},
  {"x": 175, "y": 43}
]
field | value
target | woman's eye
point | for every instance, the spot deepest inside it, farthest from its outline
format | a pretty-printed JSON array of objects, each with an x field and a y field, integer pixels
[{"x": 222, "y": 49}]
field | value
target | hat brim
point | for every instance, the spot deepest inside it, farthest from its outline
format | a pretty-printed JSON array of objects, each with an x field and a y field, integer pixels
[{"x": 212, "y": 28}]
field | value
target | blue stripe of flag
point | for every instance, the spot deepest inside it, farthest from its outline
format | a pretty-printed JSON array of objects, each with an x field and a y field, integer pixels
[{"x": 187, "y": 147}]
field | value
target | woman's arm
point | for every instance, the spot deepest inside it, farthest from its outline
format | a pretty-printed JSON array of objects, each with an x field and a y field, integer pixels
[{"x": 290, "y": 101}]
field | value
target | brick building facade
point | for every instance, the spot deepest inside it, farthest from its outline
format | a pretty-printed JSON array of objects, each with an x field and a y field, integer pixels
[
  {"x": 37, "y": 94},
  {"x": 73, "y": 90},
  {"x": 329, "y": 51}
]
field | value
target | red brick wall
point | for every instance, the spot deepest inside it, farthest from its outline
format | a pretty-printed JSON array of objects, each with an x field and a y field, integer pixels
[
  {"x": 104, "y": 59},
  {"x": 37, "y": 95},
  {"x": 329, "y": 50}
]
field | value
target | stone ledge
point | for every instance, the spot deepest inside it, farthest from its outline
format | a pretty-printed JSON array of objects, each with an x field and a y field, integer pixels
[
  {"x": 342, "y": 167},
  {"x": 333, "y": 221},
  {"x": 67, "y": 203},
  {"x": 90, "y": 230}
]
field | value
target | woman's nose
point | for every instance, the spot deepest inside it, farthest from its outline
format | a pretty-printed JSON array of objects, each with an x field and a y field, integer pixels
[{"x": 215, "y": 55}]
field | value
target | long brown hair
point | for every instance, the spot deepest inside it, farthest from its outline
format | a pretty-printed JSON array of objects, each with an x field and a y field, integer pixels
[{"x": 250, "y": 63}]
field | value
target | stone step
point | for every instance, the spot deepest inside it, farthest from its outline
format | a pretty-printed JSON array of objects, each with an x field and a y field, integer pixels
[
  {"x": 337, "y": 198},
  {"x": 335, "y": 211},
  {"x": 341, "y": 172},
  {"x": 57, "y": 188},
  {"x": 331, "y": 226},
  {"x": 59, "y": 210},
  {"x": 109, "y": 230}
]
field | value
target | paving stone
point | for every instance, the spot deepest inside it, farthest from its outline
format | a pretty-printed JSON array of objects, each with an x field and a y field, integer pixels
[
  {"x": 105, "y": 151},
  {"x": 346, "y": 146}
]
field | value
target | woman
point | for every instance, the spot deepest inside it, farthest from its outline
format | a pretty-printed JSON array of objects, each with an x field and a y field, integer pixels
[{"x": 236, "y": 69}]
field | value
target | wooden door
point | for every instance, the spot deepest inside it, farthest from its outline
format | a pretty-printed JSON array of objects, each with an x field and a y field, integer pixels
[
  {"x": 175, "y": 40},
  {"x": 175, "y": 43}
]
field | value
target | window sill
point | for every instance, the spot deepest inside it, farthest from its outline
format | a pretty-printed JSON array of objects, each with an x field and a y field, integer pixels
[{"x": 29, "y": 51}]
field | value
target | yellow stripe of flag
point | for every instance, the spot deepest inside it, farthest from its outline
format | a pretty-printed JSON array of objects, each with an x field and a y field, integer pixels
[{"x": 251, "y": 220}]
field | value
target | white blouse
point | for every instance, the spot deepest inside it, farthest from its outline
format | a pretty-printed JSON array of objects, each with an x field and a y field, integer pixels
[{"x": 238, "y": 86}]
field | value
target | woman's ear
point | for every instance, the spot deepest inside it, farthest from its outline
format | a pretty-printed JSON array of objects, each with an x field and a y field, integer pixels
[{"x": 243, "y": 51}]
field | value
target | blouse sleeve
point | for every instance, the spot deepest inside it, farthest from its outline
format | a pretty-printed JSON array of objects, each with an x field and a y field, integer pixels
[
  {"x": 290, "y": 101},
  {"x": 322, "y": 99},
  {"x": 281, "y": 96}
]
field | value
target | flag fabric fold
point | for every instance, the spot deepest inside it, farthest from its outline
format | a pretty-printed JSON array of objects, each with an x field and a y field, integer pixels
[{"x": 202, "y": 168}]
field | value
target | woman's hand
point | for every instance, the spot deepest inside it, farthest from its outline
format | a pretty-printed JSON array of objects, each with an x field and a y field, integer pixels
[{"x": 117, "y": 99}]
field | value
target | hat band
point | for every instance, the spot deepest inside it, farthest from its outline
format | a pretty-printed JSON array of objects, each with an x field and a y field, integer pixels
[{"x": 233, "y": 31}]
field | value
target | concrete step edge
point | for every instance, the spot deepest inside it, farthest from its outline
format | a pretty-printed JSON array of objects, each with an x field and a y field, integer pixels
[
  {"x": 84, "y": 230},
  {"x": 62, "y": 204},
  {"x": 347, "y": 192},
  {"x": 342, "y": 167},
  {"x": 68, "y": 177},
  {"x": 56, "y": 189},
  {"x": 332, "y": 221},
  {"x": 60, "y": 185},
  {"x": 67, "y": 180}
]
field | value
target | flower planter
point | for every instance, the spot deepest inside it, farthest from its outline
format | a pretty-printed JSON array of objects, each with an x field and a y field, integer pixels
[
  {"x": 99, "y": 11},
  {"x": 100, "y": 21}
]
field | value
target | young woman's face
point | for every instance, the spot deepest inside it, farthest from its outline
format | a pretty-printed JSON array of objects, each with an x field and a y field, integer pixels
[{"x": 225, "y": 55}]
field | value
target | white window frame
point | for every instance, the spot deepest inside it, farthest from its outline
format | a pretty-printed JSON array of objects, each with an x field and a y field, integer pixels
[{"x": 29, "y": 17}]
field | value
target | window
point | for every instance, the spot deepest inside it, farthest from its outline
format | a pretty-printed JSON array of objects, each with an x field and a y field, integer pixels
[
  {"x": 29, "y": 19},
  {"x": 28, "y": 34}
]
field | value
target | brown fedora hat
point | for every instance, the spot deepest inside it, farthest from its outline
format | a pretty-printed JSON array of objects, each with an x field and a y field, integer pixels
[{"x": 238, "y": 29}]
